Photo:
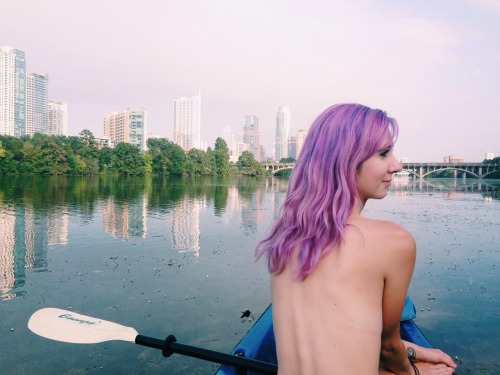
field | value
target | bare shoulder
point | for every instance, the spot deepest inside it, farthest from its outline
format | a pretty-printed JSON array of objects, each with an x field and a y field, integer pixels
[{"x": 384, "y": 232}]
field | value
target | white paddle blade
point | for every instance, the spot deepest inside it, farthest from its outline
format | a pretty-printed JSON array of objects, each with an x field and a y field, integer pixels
[{"x": 68, "y": 326}]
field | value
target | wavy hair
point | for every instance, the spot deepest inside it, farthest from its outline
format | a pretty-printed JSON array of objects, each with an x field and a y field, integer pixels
[{"x": 322, "y": 187}]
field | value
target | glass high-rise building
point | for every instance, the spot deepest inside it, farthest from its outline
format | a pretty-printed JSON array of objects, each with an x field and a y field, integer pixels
[
  {"x": 251, "y": 136},
  {"x": 282, "y": 133},
  {"x": 58, "y": 118},
  {"x": 129, "y": 126},
  {"x": 12, "y": 92},
  {"x": 37, "y": 103},
  {"x": 187, "y": 122}
]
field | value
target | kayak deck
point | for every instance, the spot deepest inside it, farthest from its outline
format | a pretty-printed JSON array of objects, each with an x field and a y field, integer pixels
[{"x": 259, "y": 343}]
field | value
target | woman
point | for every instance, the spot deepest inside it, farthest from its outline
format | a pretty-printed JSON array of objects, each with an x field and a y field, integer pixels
[{"x": 339, "y": 280}]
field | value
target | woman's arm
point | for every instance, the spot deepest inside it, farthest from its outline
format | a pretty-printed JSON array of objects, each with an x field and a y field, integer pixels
[{"x": 399, "y": 259}]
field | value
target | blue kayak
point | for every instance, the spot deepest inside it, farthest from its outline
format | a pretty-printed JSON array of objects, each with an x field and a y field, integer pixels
[{"x": 259, "y": 343}]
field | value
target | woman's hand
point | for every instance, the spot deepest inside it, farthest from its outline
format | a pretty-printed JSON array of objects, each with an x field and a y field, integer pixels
[
  {"x": 434, "y": 356},
  {"x": 427, "y": 368},
  {"x": 430, "y": 355}
]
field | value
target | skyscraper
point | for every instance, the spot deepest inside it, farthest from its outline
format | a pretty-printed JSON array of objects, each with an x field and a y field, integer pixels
[
  {"x": 129, "y": 125},
  {"x": 12, "y": 92},
  {"x": 228, "y": 136},
  {"x": 187, "y": 120},
  {"x": 282, "y": 132},
  {"x": 58, "y": 118},
  {"x": 301, "y": 138},
  {"x": 37, "y": 103},
  {"x": 251, "y": 136}
]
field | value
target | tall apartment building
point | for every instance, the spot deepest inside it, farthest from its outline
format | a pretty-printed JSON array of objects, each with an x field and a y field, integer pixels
[
  {"x": 58, "y": 118},
  {"x": 301, "y": 138},
  {"x": 129, "y": 126},
  {"x": 187, "y": 122},
  {"x": 251, "y": 136},
  {"x": 37, "y": 103},
  {"x": 282, "y": 132},
  {"x": 228, "y": 136},
  {"x": 12, "y": 92}
]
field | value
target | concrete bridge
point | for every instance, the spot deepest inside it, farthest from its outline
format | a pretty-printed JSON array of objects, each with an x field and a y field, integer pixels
[
  {"x": 478, "y": 170},
  {"x": 275, "y": 167},
  {"x": 419, "y": 170}
]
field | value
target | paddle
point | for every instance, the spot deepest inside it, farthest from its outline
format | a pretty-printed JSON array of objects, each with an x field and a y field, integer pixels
[{"x": 68, "y": 326}]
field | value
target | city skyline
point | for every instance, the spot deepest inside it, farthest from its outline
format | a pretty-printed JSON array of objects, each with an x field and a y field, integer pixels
[{"x": 433, "y": 66}]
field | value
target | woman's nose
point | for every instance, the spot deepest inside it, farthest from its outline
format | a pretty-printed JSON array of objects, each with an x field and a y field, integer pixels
[{"x": 395, "y": 165}]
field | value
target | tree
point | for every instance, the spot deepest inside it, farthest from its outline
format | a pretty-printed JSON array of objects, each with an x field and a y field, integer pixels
[
  {"x": 7, "y": 164},
  {"x": 167, "y": 158},
  {"x": 44, "y": 156},
  {"x": 87, "y": 137},
  {"x": 86, "y": 149},
  {"x": 14, "y": 145},
  {"x": 492, "y": 161},
  {"x": 247, "y": 165},
  {"x": 105, "y": 159},
  {"x": 127, "y": 160},
  {"x": 221, "y": 156},
  {"x": 198, "y": 163},
  {"x": 148, "y": 160},
  {"x": 79, "y": 165},
  {"x": 177, "y": 158}
]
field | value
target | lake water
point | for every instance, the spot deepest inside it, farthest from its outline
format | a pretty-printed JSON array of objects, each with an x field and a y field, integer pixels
[{"x": 175, "y": 256}]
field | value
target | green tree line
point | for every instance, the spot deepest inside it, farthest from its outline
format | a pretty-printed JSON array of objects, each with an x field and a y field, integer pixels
[{"x": 79, "y": 155}]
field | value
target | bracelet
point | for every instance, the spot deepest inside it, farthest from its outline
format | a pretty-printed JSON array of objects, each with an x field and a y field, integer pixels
[{"x": 415, "y": 368}]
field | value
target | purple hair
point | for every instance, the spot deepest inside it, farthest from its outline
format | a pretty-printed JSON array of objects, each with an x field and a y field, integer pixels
[{"x": 322, "y": 187}]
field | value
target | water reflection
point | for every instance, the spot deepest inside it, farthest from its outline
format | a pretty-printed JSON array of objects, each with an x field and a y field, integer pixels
[
  {"x": 186, "y": 225},
  {"x": 36, "y": 212},
  {"x": 125, "y": 218},
  {"x": 23, "y": 246},
  {"x": 489, "y": 189}
]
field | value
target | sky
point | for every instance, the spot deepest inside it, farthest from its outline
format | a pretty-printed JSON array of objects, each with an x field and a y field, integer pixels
[{"x": 433, "y": 65}]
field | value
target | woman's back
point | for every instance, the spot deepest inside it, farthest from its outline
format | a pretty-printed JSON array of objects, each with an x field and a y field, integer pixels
[{"x": 331, "y": 322}]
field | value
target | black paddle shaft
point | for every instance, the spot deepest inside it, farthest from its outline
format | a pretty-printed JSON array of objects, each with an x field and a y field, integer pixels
[{"x": 170, "y": 346}]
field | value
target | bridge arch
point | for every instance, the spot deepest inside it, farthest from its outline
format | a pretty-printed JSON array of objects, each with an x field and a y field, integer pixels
[{"x": 277, "y": 167}]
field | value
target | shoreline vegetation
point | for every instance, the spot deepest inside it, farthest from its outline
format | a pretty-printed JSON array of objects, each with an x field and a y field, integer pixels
[{"x": 79, "y": 156}]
